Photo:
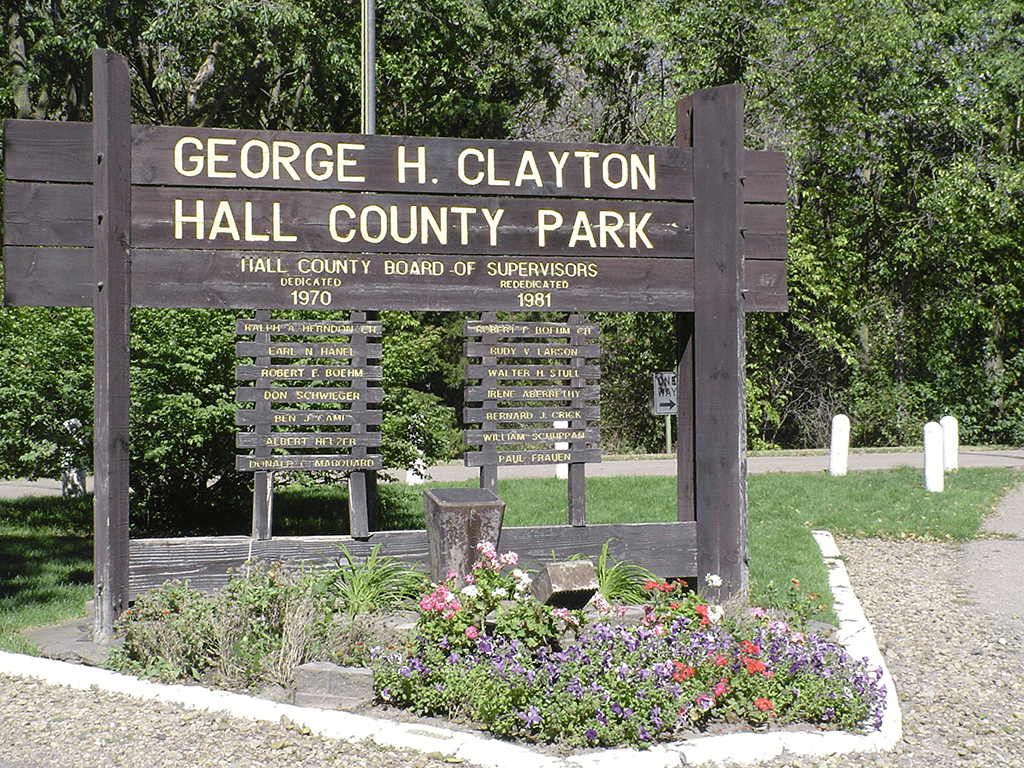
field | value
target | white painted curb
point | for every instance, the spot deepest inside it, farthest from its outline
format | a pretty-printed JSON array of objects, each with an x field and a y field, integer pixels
[{"x": 744, "y": 748}]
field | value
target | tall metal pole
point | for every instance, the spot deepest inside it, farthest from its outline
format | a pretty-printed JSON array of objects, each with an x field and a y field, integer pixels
[{"x": 369, "y": 79}]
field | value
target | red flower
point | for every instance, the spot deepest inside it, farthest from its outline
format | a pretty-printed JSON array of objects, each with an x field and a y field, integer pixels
[
  {"x": 749, "y": 648},
  {"x": 702, "y": 611},
  {"x": 764, "y": 705},
  {"x": 682, "y": 672},
  {"x": 753, "y": 666}
]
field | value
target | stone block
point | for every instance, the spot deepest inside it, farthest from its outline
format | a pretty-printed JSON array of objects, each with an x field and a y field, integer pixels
[
  {"x": 329, "y": 686},
  {"x": 566, "y": 585},
  {"x": 458, "y": 519}
]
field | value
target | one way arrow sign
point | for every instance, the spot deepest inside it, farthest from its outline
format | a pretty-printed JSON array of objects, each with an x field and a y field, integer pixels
[{"x": 665, "y": 393}]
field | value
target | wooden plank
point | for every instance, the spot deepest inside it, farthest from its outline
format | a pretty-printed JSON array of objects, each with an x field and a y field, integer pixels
[
  {"x": 521, "y": 350},
  {"x": 313, "y": 328},
  {"x": 57, "y": 214},
  {"x": 301, "y": 418},
  {"x": 48, "y": 277},
  {"x": 667, "y": 549},
  {"x": 535, "y": 457},
  {"x": 764, "y": 177},
  {"x": 292, "y": 440},
  {"x": 310, "y": 395},
  {"x": 764, "y": 232},
  {"x": 555, "y": 392},
  {"x": 535, "y": 434},
  {"x": 298, "y": 349},
  {"x": 44, "y": 150},
  {"x": 764, "y": 286},
  {"x": 333, "y": 222},
  {"x": 48, "y": 150},
  {"x": 269, "y": 373},
  {"x": 719, "y": 404},
  {"x": 48, "y": 214},
  {"x": 168, "y": 155},
  {"x": 527, "y": 414},
  {"x": 111, "y": 225},
  {"x": 54, "y": 277},
  {"x": 517, "y": 329},
  {"x": 308, "y": 463},
  {"x": 202, "y": 562},
  {"x": 555, "y": 370}
]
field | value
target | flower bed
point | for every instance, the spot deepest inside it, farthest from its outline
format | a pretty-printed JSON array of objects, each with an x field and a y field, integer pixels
[{"x": 485, "y": 651}]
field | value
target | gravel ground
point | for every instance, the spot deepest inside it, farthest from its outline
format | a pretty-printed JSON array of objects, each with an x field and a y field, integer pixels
[{"x": 953, "y": 653}]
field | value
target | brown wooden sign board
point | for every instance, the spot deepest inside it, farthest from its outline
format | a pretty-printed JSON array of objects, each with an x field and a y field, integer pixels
[
  {"x": 717, "y": 249},
  {"x": 238, "y": 219}
]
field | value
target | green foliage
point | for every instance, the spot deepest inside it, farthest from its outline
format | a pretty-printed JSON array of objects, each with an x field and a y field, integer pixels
[
  {"x": 45, "y": 381},
  {"x": 266, "y": 621},
  {"x": 378, "y": 583},
  {"x": 621, "y": 581}
]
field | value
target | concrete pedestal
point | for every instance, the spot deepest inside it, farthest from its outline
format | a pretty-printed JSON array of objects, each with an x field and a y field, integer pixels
[{"x": 457, "y": 520}]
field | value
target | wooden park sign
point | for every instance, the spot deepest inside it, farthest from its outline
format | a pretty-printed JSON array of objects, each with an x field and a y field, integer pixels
[{"x": 112, "y": 215}]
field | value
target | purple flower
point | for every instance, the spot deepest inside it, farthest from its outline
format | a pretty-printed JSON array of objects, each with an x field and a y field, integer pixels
[{"x": 530, "y": 717}]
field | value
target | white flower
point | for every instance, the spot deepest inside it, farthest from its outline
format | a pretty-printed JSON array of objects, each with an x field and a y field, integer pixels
[
  {"x": 715, "y": 613},
  {"x": 470, "y": 590},
  {"x": 713, "y": 580},
  {"x": 501, "y": 593}
]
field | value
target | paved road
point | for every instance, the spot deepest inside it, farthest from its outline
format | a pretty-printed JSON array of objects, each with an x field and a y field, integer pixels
[
  {"x": 617, "y": 466},
  {"x": 755, "y": 464}
]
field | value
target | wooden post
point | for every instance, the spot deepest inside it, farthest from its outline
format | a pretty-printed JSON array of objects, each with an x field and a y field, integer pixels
[
  {"x": 263, "y": 482},
  {"x": 112, "y": 300},
  {"x": 718, "y": 339},
  {"x": 489, "y": 472},
  {"x": 686, "y": 502},
  {"x": 363, "y": 501}
]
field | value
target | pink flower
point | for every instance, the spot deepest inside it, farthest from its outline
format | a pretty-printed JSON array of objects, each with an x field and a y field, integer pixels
[
  {"x": 509, "y": 558},
  {"x": 472, "y": 632}
]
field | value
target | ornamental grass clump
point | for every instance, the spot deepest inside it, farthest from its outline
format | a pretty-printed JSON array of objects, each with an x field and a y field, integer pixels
[{"x": 684, "y": 666}]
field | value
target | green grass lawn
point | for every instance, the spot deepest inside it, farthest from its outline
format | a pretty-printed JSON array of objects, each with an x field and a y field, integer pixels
[{"x": 46, "y": 547}]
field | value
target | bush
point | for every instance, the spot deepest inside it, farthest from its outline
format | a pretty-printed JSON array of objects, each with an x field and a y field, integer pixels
[{"x": 266, "y": 621}]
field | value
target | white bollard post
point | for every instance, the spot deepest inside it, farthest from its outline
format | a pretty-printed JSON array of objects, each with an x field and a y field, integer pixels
[
  {"x": 950, "y": 442},
  {"x": 933, "y": 477},
  {"x": 839, "y": 457},
  {"x": 561, "y": 470}
]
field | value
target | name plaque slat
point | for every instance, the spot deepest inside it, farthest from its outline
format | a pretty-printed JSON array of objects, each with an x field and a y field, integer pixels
[
  {"x": 308, "y": 463},
  {"x": 530, "y": 435},
  {"x": 305, "y": 418},
  {"x": 530, "y": 350},
  {"x": 269, "y": 373},
  {"x": 309, "y": 395},
  {"x": 554, "y": 371},
  {"x": 317, "y": 350},
  {"x": 527, "y": 414},
  {"x": 504, "y": 393},
  {"x": 309, "y": 328},
  {"x": 290, "y": 440},
  {"x": 526, "y": 458},
  {"x": 521, "y": 329}
]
